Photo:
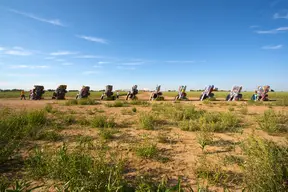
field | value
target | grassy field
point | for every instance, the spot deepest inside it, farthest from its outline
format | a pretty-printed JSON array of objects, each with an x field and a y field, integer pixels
[{"x": 87, "y": 145}]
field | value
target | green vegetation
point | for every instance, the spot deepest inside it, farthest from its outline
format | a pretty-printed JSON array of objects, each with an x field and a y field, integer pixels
[
  {"x": 214, "y": 122},
  {"x": 87, "y": 101},
  {"x": 266, "y": 165},
  {"x": 147, "y": 121},
  {"x": 32, "y": 153},
  {"x": 117, "y": 104},
  {"x": 147, "y": 150},
  {"x": 102, "y": 121},
  {"x": 78, "y": 168},
  {"x": 16, "y": 127},
  {"x": 273, "y": 122}
]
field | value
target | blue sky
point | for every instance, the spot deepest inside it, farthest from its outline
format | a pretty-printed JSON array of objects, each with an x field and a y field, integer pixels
[{"x": 144, "y": 42}]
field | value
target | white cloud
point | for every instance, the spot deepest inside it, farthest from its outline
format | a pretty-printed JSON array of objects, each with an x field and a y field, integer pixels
[
  {"x": 272, "y": 47},
  {"x": 180, "y": 61},
  {"x": 133, "y": 63},
  {"x": 97, "y": 66},
  {"x": 103, "y": 62},
  {"x": 279, "y": 16},
  {"x": 282, "y": 29},
  {"x": 93, "y": 39},
  {"x": 29, "y": 15},
  {"x": 63, "y": 53},
  {"x": 29, "y": 66},
  {"x": 88, "y": 56},
  {"x": 90, "y": 72},
  {"x": 67, "y": 64},
  {"x": 18, "y": 52},
  {"x": 273, "y": 31}
]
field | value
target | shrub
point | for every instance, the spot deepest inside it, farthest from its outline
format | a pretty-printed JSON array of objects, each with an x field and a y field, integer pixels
[
  {"x": 266, "y": 165},
  {"x": 204, "y": 137},
  {"x": 71, "y": 102},
  {"x": 231, "y": 109},
  {"x": 221, "y": 122},
  {"x": 117, "y": 104},
  {"x": 159, "y": 99},
  {"x": 214, "y": 122},
  {"x": 107, "y": 134},
  {"x": 134, "y": 110},
  {"x": 126, "y": 111},
  {"x": 190, "y": 125},
  {"x": 85, "y": 141},
  {"x": 244, "y": 110},
  {"x": 214, "y": 173},
  {"x": 36, "y": 118},
  {"x": 69, "y": 119},
  {"x": 282, "y": 101},
  {"x": 49, "y": 136},
  {"x": 147, "y": 121},
  {"x": 272, "y": 122},
  {"x": 82, "y": 171},
  {"x": 87, "y": 101},
  {"x": 147, "y": 150},
  {"x": 15, "y": 127},
  {"x": 138, "y": 102},
  {"x": 102, "y": 122},
  {"x": 48, "y": 108}
]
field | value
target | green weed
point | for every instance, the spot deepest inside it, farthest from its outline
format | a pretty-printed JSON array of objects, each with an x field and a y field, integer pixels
[
  {"x": 273, "y": 122},
  {"x": 266, "y": 165},
  {"x": 102, "y": 121},
  {"x": 82, "y": 171},
  {"x": 107, "y": 134},
  {"x": 147, "y": 150},
  {"x": 71, "y": 102},
  {"x": 48, "y": 108},
  {"x": 147, "y": 121}
]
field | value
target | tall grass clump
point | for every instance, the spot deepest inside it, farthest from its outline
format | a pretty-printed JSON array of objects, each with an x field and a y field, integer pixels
[
  {"x": 138, "y": 102},
  {"x": 243, "y": 110},
  {"x": 87, "y": 101},
  {"x": 16, "y": 127},
  {"x": 215, "y": 174},
  {"x": 214, "y": 122},
  {"x": 204, "y": 138},
  {"x": 273, "y": 122},
  {"x": 102, "y": 121},
  {"x": 179, "y": 113},
  {"x": 221, "y": 122},
  {"x": 107, "y": 134},
  {"x": 147, "y": 150},
  {"x": 282, "y": 101},
  {"x": 265, "y": 166},
  {"x": 117, "y": 104},
  {"x": 78, "y": 168},
  {"x": 71, "y": 102},
  {"x": 48, "y": 108},
  {"x": 147, "y": 121}
]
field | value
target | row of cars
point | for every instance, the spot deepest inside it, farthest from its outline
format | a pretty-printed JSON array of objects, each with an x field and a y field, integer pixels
[{"x": 235, "y": 94}]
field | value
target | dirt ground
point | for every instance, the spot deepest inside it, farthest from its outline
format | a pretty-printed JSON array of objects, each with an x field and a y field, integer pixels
[{"x": 183, "y": 150}]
